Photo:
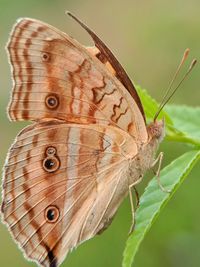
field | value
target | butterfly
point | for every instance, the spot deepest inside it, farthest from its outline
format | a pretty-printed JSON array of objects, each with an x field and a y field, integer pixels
[{"x": 67, "y": 173}]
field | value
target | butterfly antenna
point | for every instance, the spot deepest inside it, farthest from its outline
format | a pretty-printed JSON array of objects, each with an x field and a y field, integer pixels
[
  {"x": 165, "y": 99},
  {"x": 184, "y": 57}
]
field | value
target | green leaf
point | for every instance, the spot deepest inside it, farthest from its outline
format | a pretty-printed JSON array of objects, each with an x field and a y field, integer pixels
[
  {"x": 182, "y": 122},
  {"x": 153, "y": 200},
  {"x": 151, "y": 106},
  {"x": 187, "y": 120}
]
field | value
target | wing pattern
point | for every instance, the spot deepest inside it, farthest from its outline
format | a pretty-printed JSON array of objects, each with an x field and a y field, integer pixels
[
  {"x": 66, "y": 174},
  {"x": 80, "y": 187},
  {"x": 56, "y": 77}
]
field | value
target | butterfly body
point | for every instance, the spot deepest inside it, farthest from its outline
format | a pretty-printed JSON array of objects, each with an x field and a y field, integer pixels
[{"x": 67, "y": 174}]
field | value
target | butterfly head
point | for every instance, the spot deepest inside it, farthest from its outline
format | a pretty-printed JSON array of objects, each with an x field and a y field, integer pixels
[{"x": 156, "y": 130}]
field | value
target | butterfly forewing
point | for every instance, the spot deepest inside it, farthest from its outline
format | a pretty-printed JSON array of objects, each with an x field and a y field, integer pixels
[{"x": 56, "y": 77}]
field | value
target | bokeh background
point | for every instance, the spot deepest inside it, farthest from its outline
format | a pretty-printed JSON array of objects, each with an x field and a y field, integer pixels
[{"x": 148, "y": 38}]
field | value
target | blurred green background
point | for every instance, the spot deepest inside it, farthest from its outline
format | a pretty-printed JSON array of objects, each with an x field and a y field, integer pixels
[{"x": 148, "y": 38}]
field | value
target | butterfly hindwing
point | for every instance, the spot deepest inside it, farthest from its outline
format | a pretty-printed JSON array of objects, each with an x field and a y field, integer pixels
[{"x": 62, "y": 185}]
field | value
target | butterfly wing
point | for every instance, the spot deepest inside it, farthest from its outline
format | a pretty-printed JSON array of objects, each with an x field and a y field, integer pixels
[
  {"x": 66, "y": 175},
  {"x": 56, "y": 77},
  {"x": 63, "y": 183},
  {"x": 103, "y": 53}
]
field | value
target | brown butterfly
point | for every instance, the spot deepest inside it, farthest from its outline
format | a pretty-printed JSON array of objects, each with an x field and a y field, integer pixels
[{"x": 67, "y": 174}]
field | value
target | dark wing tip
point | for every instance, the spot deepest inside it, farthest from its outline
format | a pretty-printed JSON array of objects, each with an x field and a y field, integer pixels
[{"x": 120, "y": 72}]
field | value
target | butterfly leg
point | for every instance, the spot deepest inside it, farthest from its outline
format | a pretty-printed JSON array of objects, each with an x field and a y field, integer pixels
[
  {"x": 159, "y": 160},
  {"x": 132, "y": 205},
  {"x": 137, "y": 197}
]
